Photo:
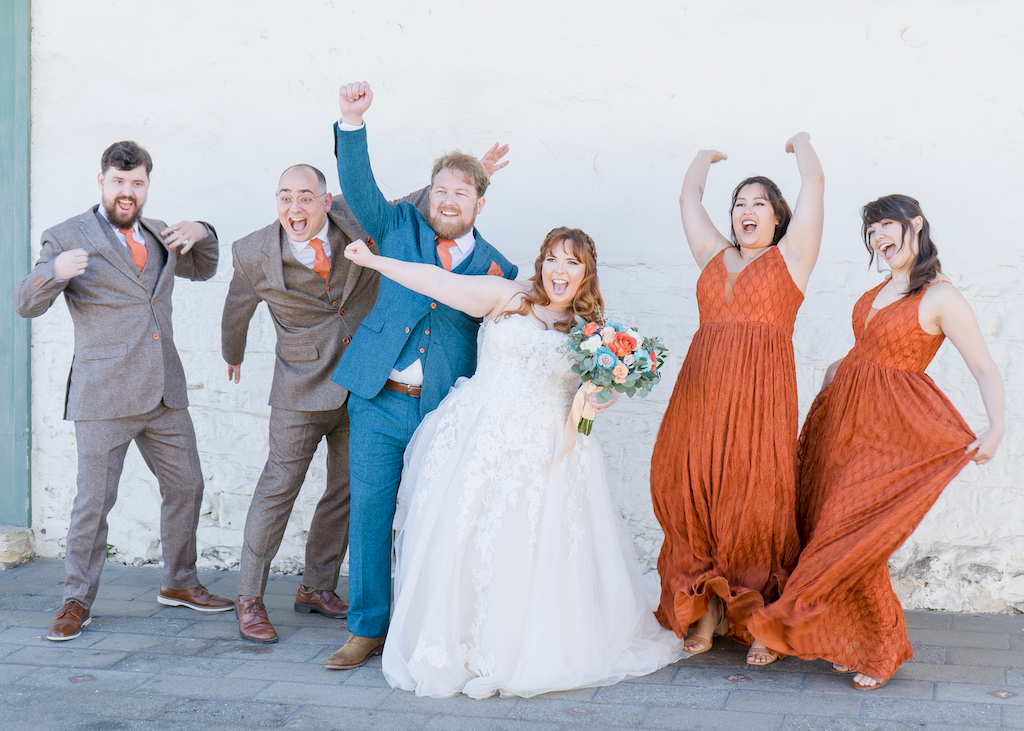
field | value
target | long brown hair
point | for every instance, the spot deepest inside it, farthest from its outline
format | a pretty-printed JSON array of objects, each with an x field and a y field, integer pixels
[
  {"x": 775, "y": 199},
  {"x": 588, "y": 302},
  {"x": 903, "y": 209}
]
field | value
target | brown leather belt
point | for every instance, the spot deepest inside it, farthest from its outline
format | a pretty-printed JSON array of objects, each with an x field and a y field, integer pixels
[{"x": 405, "y": 388}]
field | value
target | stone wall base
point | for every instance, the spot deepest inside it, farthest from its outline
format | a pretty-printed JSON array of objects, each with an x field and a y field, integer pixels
[{"x": 15, "y": 546}]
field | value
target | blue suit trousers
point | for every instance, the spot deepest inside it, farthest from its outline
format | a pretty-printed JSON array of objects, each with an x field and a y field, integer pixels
[{"x": 380, "y": 430}]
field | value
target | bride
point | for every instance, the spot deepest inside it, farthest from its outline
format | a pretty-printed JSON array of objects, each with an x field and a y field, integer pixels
[{"x": 513, "y": 577}]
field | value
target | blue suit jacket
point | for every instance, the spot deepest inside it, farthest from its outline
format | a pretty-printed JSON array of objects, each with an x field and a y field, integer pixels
[{"x": 403, "y": 233}]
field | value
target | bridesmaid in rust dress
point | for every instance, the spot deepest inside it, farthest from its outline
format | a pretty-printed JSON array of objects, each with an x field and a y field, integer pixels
[
  {"x": 723, "y": 473},
  {"x": 879, "y": 444}
]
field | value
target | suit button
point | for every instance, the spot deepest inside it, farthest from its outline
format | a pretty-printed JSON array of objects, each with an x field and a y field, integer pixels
[
  {"x": 422, "y": 350},
  {"x": 155, "y": 336},
  {"x": 153, "y": 302},
  {"x": 426, "y": 332},
  {"x": 335, "y": 304},
  {"x": 329, "y": 288},
  {"x": 143, "y": 281},
  {"x": 341, "y": 311},
  {"x": 433, "y": 305},
  {"x": 346, "y": 341},
  {"x": 406, "y": 331}
]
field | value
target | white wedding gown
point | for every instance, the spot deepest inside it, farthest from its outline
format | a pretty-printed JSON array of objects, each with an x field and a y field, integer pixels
[{"x": 512, "y": 579}]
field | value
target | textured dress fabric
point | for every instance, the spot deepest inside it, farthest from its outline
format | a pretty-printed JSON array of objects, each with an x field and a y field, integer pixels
[
  {"x": 513, "y": 578},
  {"x": 877, "y": 448},
  {"x": 723, "y": 473}
]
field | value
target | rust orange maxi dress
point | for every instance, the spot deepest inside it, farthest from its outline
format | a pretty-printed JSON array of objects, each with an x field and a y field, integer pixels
[
  {"x": 878, "y": 446},
  {"x": 723, "y": 472}
]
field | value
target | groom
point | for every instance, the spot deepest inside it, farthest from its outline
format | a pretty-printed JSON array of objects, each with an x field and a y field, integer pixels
[{"x": 405, "y": 356}]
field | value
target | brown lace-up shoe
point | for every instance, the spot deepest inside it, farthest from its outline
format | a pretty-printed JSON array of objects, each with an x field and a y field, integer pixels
[
  {"x": 354, "y": 653},
  {"x": 197, "y": 598},
  {"x": 322, "y": 602},
  {"x": 69, "y": 622},
  {"x": 253, "y": 623}
]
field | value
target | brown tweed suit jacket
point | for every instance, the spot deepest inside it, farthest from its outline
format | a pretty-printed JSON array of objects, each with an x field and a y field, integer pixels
[
  {"x": 125, "y": 361},
  {"x": 313, "y": 326}
]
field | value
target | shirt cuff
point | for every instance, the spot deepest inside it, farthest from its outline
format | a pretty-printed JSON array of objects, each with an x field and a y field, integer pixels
[{"x": 345, "y": 127}]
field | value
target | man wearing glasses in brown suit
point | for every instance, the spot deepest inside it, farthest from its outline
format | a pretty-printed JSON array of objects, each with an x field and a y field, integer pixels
[{"x": 116, "y": 270}]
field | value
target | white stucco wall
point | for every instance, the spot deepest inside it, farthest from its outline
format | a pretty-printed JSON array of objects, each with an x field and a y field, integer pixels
[{"x": 604, "y": 106}]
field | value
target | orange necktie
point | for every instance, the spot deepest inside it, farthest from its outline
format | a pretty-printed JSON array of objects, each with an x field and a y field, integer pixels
[
  {"x": 444, "y": 253},
  {"x": 138, "y": 250},
  {"x": 320, "y": 264}
]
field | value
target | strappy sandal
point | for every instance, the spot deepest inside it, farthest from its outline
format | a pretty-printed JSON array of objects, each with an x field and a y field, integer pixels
[
  {"x": 837, "y": 671},
  {"x": 772, "y": 657},
  {"x": 881, "y": 682},
  {"x": 720, "y": 629}
]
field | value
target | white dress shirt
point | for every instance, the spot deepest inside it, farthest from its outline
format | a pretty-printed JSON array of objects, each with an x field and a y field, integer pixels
[{"x": 305, "y": 253}]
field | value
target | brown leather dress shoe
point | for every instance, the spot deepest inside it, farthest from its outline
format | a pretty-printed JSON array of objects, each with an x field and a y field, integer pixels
[
  {"x": 253, "y": 623},
  {"x": 69, "y": 622},
  {"x": 197, "y": 598},
  {"x": 355, "y": 652},
  {"x": 320, "y": 601}
]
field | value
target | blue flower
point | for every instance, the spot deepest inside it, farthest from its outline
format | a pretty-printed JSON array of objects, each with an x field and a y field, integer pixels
[{"x": 605, "y": 358}]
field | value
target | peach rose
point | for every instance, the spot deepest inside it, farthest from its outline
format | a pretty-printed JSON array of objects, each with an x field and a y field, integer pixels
[
  {"x": 622, "y": 344},
  {"x": 620, "y": 372},
  {"x": 591, "y": 329}
]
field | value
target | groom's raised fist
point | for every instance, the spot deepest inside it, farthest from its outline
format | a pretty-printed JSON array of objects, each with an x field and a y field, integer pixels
[{"x": 354, "y": 99}]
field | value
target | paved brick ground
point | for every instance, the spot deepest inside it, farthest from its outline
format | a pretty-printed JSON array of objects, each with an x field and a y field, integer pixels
[{"x": 144, "y": 666}]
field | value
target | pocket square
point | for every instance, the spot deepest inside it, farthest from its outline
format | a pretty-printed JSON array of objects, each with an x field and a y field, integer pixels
[{"x": 495, "y": 269}]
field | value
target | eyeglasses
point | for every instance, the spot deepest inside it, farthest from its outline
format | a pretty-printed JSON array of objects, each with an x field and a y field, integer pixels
[{"x": 285, "y": 201}]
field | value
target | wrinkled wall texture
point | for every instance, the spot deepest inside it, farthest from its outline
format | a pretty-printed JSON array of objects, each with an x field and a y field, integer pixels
[{"x": 604, "y": 107}]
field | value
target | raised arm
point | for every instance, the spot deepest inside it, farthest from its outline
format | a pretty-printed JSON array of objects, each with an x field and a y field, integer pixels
[
  {"x": 477, "y": 296},
  {"x": 802, "y": 241},
  {"x": 704, "y": 239},
  {"x": 48, "y": 278},
  {"x": 943, "y": 306}
]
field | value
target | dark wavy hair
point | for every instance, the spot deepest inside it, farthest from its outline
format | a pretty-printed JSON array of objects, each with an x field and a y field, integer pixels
[
  {"x": 903, "y": 209},
  {"x": 778, "y": 204},
  {"x": 588, "y": 302},
  {"x": 125, "y": 155}
]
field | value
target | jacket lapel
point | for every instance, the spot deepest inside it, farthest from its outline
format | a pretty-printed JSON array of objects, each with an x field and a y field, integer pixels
[
  {"x": 273, "y": 241},
  {"x": 93, "y": 231}
]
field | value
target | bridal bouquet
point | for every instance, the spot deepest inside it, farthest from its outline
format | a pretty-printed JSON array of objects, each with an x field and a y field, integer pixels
[{"x": 611, "y": 356}]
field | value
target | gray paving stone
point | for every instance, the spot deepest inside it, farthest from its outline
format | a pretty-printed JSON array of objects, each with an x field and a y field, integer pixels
[
  {"x": 183, "y": 713},
  {"x": 719, "y": 678},
  {"x": 662, "y": 676},
  {"x": 104, "y": 607},
  {"x": 141, "y": 625},
  {"x": 23, "y": 618},
  {"x": 568, "y": 714},
  {"x": 82, "y": 699},
  {"x": 153, "y": 644},
  {"x": 11, "y": 673},
  {"x": 58, "y": 655},
  {"x": 895, "y": 688},
  {"x": 932, "y": 654},
  {"x": 458, "y": 705},
  {"x": 1008, "y": 623},
  {"x": 995, "y": 658},
  {"x": 366, "y": 675},
  {"x": 21, "y": 636},
  {"x": 298, "y": 672},
  {"x": 358, "y": 719},
  {"x": 925, "y": 619},
  {"x": 211, "y": 630},
  {"x": 676, "y": 718},
  {"x": 189, "y": 687},
  {"x": 979, "y": 693},
  {"x": 978, "y": 714},
  {"x": 807, "y": 704},
  {"x": 953, "y": 673},
  {"x": 582, "y": 695},
  {"x": 99, "y": 681},
  {"x": 662, "y": 695},
  {"x": 277, "y": 652},
  {"x": 336, "y": 636},
  {"x": 817, "y": 723},
  {"x": 1013, "y": 717},
  {"x": 208, "y": 667},
  {"x": 499, "y": 724},
  {"x": 13, "y": 720},
  {"x": 288, "y": 617},
  {"x": 31, "y": 603},
  {"x": 106, "y": 724},
  {"x": 951, "y": 638},
  {"x": 348, "y": 696}
]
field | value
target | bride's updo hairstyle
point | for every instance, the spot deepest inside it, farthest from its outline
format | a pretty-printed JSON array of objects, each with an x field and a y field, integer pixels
[
  {"x": 588, "y": 302},
  {"x": 903, "y": 209}
]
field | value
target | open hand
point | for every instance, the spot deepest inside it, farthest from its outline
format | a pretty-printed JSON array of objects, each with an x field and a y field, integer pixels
[
  {"x": 795, "y": 139},
  {"x": 183, "y": 235},
  {"x": 491, "y": 158},
  {"x": 70, "y": 263},
  {"x": 354, "y": 99},
  {"x": 358, "y": 253}
]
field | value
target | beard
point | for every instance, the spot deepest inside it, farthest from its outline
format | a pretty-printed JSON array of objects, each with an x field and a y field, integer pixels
[
  {"x": 120, "y": 218},
  {"x": 446, "y": 229}
]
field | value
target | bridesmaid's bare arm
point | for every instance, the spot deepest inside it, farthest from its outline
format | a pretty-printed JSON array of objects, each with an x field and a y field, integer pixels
[
  {"x": 944, "y": 310},
  {"x": 802, "y": 241},
  {"x": 704, "y": 239},
  {"x": 830, "y": 373}
]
